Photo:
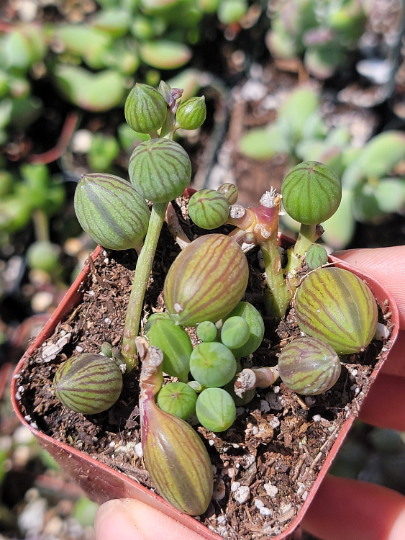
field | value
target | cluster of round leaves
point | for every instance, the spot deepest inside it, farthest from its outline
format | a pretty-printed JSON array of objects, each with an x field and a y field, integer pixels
[
  {"x": 213, "y": 363},
  {"x": 338, "y": 314},
  {"x": 114, "y": 211}
]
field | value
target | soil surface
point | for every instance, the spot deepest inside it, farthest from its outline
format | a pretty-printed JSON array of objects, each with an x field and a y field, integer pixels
[{"x": 264, "y": 465}]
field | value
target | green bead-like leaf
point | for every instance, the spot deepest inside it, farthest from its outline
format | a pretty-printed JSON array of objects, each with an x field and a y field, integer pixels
[
  {"x": 177, "y": 398},
  {"x": 309, "y": 366},
  {"x": 215, "y": 409},
  {"x": 208, "y": 209},
  {"x": 191, "y": 113},
  {"x": 111, "y": 211},
  {"x": 311, "y": 193},
  {"x": 175, "y": 344},
  {"x": 336, "y": 306},
  {"x": 160, "y": 170},
  {"x": 212, "y": 364},
  {"x": 88, "y": 384},
  {"x": 145, "y": 109},
  {"x": 42, "y": 255},
  {"x": 230, "y": 192},
  {"x": 256, "y": 327},
  {"x": 207, "y": 331},
  {"x": 206, "y": 281},
  {"x": 235, "y": 332},
  {"x": 164, "y": 54},
  {"x": 316, "y": 256}
]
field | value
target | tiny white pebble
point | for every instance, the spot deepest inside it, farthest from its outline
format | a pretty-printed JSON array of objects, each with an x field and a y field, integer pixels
[
  {"x": 79, "y": 349},
  {"x": 237, "y": 465},
  {"x": 27, "y": 418},
  {"x": 354, "y": 372},
  {"x": 317, "y": 418},
  {"x": 235, "y": 486},
  {"x": 242, "y": 494},
  {"x": 91, "y": 293},
  {"x": 271, "y": 490},
  {"x": 211, "y": 442},
  {"x": 106, "y": 260},
  {"x": 221, "y": 519},
  {"x": 357, "y": 390},
  {"x": 34, "y": 425},
  {"x": 258, "y": 503},
  {"x": 18, "y": 396},
  {"x": 112, "y": 444},
  {"x": 107, "y": 320},
  {"x": 63, "y": 333},
  {"x": 21, "y": 389},
  {"x": 274, "y": 423},
  {"x": 138, "y": 450},
  {"x": 265, "y": 511},
  {"x": 276, "y": 389},
  {"x": 255, "y": 430}
]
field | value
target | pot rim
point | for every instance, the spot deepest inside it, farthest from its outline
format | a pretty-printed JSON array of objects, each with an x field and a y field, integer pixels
[{"x": 73, "y": 296}]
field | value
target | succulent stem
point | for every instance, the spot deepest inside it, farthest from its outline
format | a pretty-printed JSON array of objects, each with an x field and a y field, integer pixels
[
  {"x": 307, "y": 236},
  {"x": 139, "y": 285},
  {"x": 41, "y": 225},
  {"x": 248, "y": 379}
]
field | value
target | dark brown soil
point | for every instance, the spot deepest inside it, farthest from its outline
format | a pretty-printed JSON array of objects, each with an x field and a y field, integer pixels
[{"x": 278, "y": 442}]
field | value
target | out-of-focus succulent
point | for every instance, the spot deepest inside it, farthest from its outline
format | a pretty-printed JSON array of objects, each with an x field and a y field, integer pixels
[
  {"x": 309, "y": 366},
  {"x": 111, "y": 211},
  {"x": 208, "y": 209},
  {"x": 160, "y": 170},
  {"x": 212, "y": 364},
  {"x": 175, "y": 344},
  {"x": 177, "y": 398},
  {"x": 206, "y": 281},
  {"x": 337, "y": 307},
  {"x": 88, "y": 384},
  {"x": 215, "y": 409},
  {"x": 43, "y": 255}
]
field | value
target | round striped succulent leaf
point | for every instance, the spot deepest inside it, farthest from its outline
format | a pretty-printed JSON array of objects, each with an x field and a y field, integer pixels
[
  {"x": 145, "y": 109},
  {"x": 311, "y": 192},
  {"x": 256, "y": 328},
  {"x": 176, "y": 459},
  {"x": 235, "y": 332},
  {"x": 212, "y": 364},
  {"x": 316, "y": 256},
  {"x": 191, "y": 113},
  {"x": 111, "y": 211},
  {"x": 309, "y": 366},
  {"x": 207, "y": 331},
  {"x": 177, "y": 398},
  {"x": 337, "y": 307},
  {"x": 175, "y": 344},
  {"x": 88, "y": 383},
  {"x": 216, "y": 409},
  {"x": 206, "y": 281},
  {"x": 230, "y": 192},
  {"x": 208, "y": 209},
  {"x": 160, "y": 170}
]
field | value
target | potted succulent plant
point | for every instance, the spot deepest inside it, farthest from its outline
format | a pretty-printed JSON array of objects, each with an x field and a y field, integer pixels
[{"x": 229, "y": 393}]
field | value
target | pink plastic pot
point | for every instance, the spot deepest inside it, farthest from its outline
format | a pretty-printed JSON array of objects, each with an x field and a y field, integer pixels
[{"x": 102, "y": 483}]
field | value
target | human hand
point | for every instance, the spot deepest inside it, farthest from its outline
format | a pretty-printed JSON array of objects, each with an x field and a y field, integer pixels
[{"x": 342, "y": 508}]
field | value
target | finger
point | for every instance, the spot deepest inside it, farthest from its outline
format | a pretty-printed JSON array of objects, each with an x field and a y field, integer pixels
[
  {"x": 354, "y": 510},
  {"x": 385, "y": 403},
  {"x": 129, "y": 519},
  {"x": 386, "y": 265}
]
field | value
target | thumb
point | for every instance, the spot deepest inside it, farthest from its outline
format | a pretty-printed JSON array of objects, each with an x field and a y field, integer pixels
[{"x": 129, "y": 519}]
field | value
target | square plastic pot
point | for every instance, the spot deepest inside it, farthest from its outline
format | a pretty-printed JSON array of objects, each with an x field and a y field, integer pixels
[{"x": 102, "y": 483}]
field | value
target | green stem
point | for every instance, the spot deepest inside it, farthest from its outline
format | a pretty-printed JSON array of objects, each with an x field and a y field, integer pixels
[
  {"x": 41, "y": 225},
  {"x": 139, "y": 285},
  {"x": 306, "y": 237},
  {"x": 277, "y": 295}
]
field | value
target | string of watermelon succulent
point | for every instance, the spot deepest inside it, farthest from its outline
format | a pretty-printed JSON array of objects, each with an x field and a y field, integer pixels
[{"x": 204, "y": 288}]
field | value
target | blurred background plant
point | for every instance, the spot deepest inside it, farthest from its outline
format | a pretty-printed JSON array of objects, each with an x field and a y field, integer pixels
[{"x": 372, "y": 171}]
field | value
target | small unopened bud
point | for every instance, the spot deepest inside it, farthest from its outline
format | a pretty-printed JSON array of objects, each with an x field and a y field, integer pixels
[
  {"x": 191, "y": 114},
  {"x": 145, "y": 109}
]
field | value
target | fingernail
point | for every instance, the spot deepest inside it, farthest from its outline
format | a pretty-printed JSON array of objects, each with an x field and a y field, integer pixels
[{"x": 114, "y": 522}]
